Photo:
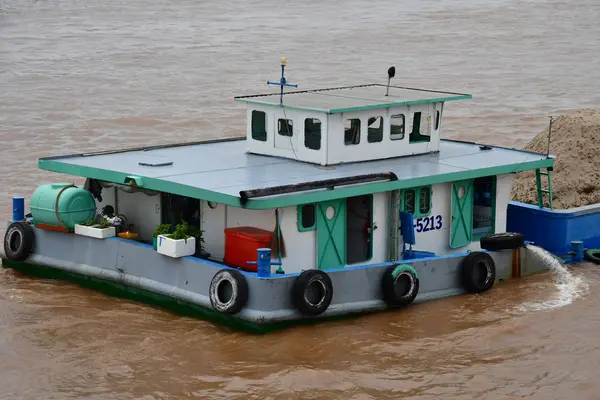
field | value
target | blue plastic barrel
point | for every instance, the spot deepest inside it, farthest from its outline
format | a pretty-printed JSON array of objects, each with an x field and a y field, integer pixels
[
  {"x": 577, "y": 250},
  {"x": 18, "y": 208},
  {"x": 263, "y": 262}
]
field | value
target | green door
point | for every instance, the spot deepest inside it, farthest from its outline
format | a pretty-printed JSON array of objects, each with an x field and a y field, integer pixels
[
  {"x": 461, "y": 229},
  {"x": 331, "y": 234}
]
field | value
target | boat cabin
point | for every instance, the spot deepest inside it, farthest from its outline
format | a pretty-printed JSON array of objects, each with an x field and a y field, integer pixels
[
  {"x": 326, "y": 178},
  {"x": 350, "y": 124}
]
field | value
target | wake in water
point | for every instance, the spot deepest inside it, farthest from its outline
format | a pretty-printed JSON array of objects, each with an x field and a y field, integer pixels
[{"x": 569, "y": 287}]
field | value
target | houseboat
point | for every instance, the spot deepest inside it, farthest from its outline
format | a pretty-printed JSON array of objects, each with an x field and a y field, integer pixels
[{"x": 336, "y": 201}]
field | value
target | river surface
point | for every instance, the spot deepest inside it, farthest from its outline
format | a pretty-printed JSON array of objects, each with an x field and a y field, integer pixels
[{"x": 80, "y": 75}]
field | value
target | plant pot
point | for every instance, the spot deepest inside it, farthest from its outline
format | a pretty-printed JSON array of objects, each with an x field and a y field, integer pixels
[
  {"x": 154, "y": 242},
  {"x": 176, "y": 248},
  {"x": 94, "y": 231}
]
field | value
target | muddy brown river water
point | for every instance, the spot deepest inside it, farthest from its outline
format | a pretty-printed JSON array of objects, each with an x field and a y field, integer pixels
[{"x": 79, "y": 75}]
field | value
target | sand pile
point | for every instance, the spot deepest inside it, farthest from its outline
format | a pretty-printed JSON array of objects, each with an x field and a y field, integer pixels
[{"x": 575, "y": 142}]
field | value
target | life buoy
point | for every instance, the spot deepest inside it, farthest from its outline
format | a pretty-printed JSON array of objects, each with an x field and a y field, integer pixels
[
  {"x": 502, "y": 241},
  {"x": 228, "y": 291},
  {"x": 312, "y": 292},
  {"x": 592, "y": 255},
  {"x": 400, "y": 285},
  {"x": 19, "y": 240},
  {"x": 478, "y": 271}
]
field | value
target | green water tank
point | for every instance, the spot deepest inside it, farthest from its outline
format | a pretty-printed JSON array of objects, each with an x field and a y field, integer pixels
[{"x": 74, "y": 206}]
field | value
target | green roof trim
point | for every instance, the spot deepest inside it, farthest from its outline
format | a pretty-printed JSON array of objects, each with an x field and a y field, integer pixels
[{"x": 291, "y": 199}]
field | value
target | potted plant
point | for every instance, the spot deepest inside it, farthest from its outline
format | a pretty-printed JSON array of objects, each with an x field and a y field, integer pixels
[
  {"x": 198, "y": 234},
  {"x": 177, "y": 244},
  {"x": 98, "y": 230},
  {"x": 162, "y": 229}
]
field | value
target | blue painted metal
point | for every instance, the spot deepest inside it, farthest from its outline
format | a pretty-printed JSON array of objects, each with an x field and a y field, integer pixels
[
  {"x": 577, "y": 250},
  {"x": 18, "y": 204},
  {"x": 554, "y": 230},
  {"x": 415, "y": 254},
  {"x": 263, "y": 262},
  {"x": 407, "y": 230},
  {"x": 282, "y": 82}
]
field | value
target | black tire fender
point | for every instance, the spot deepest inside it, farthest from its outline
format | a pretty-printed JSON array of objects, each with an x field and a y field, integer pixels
[
  {"x": 478, "y": 272},
  {"x": 228, "y": 291},
  {"x": 312, "y": 292},
  {"x": 502, "y": 241},
  {"x": 19, "y": 240},
  {"x": 592, "y": 255},
  {"x": 399, "y": 285}
]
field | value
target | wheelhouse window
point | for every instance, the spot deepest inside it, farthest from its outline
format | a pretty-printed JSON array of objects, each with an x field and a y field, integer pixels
[
  {"x": 312, "y": 133},
  {"x": 259, "y": 126},
  {"x": 307, "y": 216},
  {"x": 285, "y": 127},
  {"x": 437, "y": 120},
  {"x": 352, "y": 131},
  {"x": 420, "y": 128},
  {"x": 397, "y": 123},
  {"x": 375, "y": 130}
]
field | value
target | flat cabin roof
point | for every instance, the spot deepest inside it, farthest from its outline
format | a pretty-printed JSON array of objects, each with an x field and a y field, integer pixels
[
  {"x": 219, "y": 170},
  {"x": 352, "y": 98}
]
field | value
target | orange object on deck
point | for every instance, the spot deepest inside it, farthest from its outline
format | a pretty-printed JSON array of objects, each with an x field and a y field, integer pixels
[
  {"x": 52, "y": 228},
  {"x": 241, "y": 245},
  {"x": 127, "y": 235}
]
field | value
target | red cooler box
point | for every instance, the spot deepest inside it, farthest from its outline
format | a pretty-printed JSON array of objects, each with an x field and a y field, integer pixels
[{"x": 241, "y": 244}]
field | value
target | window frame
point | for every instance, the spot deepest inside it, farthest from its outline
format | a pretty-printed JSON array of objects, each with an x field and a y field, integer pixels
[
  {"x": 359, "y": 131},
  {"x": 300, "y": 213},
  {"x": 306, "y": 134},
  {"x": 377, "y": 132},
  {"x": 417, "y": 200},
  {"x": 394, "y": 136},
  {"x": 289, "y": 124},
  {"x": 266, "y": 130}
]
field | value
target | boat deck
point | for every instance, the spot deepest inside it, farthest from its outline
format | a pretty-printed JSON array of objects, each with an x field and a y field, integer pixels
[{"x": 220, "y": 170}]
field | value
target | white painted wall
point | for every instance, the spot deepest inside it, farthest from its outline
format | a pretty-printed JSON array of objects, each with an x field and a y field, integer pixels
[
  {"x": 340, "y": 152},
  {"x": 283, "y": 146},
  {"x": 333, "y": 150},
  {"x": 300, "y": 246},
  {"x": 141, "y": 210},
  {"x": 438, "y": 241}
]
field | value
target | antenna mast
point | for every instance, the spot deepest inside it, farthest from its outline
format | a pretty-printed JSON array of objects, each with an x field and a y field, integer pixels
[{"x": 282, "y": 81}]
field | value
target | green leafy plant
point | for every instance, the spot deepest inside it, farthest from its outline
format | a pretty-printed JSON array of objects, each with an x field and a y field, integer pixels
[
  {"x": 162, "y": 229},
  {"x": 104, "y": 224},
  {"x": 180, "y": 232},
  {"x": 198, "y": 234},
  {"x": 91, "y": 222}
]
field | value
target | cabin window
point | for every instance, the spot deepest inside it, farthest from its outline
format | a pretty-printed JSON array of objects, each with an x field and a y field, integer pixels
[
  {"x": 437, "y": 120},
  {"x": 420, "y": 128},
  {"x": 417, "y": 201},
  {"x": 285, "y": 127},
  {"x": 484, "y": 195},
  {"x": 306, "y": 217},
  {"x": 397, "y": 127},
  {"x": 259, "y": 126},
  {"x": 375, "y": 130},
  {"x": 312, "y": 133},
  {"x": 352, "y": 131}
]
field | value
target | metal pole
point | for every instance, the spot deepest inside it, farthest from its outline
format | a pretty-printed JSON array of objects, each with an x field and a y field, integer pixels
[{"x": 549, "y": 133}]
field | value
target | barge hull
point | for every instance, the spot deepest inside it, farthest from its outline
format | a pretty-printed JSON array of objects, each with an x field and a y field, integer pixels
[{"x": 134, "y": 270}]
